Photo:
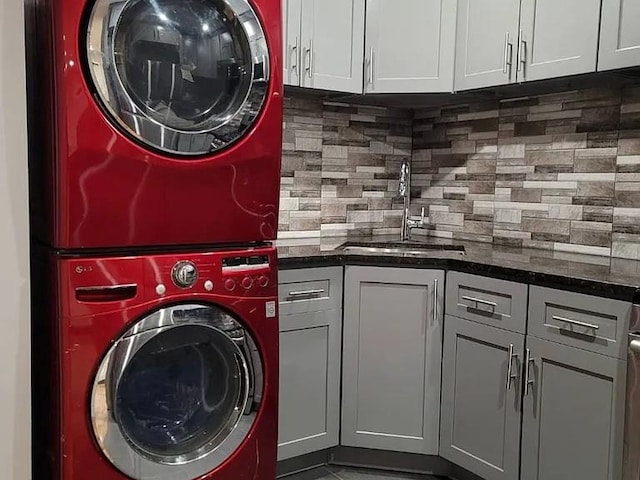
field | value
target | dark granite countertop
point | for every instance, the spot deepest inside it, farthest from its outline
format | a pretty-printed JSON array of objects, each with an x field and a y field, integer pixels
[{"x": 604, "y": 276}]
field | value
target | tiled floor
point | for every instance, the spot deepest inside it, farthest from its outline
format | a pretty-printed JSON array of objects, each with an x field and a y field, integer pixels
[{"x": 341, "y": 473}]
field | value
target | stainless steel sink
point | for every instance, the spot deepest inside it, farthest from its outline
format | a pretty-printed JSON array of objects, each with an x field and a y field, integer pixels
[{"x": 398, "y": 248}]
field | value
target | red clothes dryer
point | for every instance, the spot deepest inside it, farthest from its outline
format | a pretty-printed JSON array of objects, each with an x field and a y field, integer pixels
[
  {"x": 164, "y": 122},
  {"x": 165, "y": 368}
]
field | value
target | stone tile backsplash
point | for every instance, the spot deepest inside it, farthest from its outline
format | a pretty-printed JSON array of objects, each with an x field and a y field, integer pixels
[
  {"x": 558, "y": 171},
  {"x": 340, "y": 168}
]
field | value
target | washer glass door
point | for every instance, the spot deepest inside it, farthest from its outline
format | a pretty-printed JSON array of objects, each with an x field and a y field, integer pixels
[
  {"x": 186, "y": 77},
  {"x": 176, "y": 395}
]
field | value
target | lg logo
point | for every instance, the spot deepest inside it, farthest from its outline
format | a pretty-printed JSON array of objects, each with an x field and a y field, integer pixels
[{"x": 83, "y": 269}]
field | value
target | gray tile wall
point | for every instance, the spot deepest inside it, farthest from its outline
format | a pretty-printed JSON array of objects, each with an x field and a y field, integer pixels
[
  {"x": 340, "y": 168},
  {"x": 558, "y": 171}
]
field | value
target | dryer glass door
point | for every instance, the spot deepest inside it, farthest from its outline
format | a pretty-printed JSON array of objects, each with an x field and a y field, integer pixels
[
  {"x": 186, "y": 77},
  {"x": 176, "y": 395}
]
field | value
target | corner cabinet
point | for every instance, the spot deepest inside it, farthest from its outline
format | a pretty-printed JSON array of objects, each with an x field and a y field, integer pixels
[
  {"x": 410, "y": 46},
  {"x": 392, "y": 351},
  {"x": 310, "y": 341},
  {"x": 324, "y": 44},
  {"x": 619, "y": 34}
]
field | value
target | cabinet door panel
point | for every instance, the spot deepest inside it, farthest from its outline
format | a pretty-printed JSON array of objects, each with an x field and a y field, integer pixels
[
  {"x": 309, "y": 404},
  {"x": 333, "y": 44},
  {"x": 291, "y": 18},
  {"x": 487, "y": 34},
  {"x": 619, "y": 34},
  {"x": 573, "y": 414},
  {"x": 480, "y": 426},
  {"x": 410, "y": 45},
  {"x": 392, "y": 357},
  {"x": 561, "y": 38}
]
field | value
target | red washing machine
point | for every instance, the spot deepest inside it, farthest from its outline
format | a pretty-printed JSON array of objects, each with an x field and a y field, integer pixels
[
  {"x": 164, "y": 122},
  {"x": 164, "y": 367}
]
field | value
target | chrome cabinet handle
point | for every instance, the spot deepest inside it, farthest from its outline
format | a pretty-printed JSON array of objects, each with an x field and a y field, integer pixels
[
  {"x": 510, "y": 374},
  {"x": 310, "y": 52},
  {"x": 528, "y": 381},
  {"x": 479, "y": 301},
  {"x": 576, "y": 322},
  {"x": 508, "y": 54},
  {"x": 307, "y": 293},
  {"x": 294, "y": 53},
  {"x": 435, "y": 301},
  {"x": 371, "y": 66},
  {"x": 522, "y": 52}
]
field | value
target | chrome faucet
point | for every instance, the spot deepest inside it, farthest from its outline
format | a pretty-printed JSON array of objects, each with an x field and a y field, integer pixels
[{"x": 404, "y": 189}]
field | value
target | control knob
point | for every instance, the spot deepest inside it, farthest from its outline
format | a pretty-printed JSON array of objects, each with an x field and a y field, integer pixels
[{"x": 184, "y": 274}]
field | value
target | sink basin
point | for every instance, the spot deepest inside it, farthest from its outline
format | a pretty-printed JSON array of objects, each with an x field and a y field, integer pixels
[{"x": 401, "y": 248}]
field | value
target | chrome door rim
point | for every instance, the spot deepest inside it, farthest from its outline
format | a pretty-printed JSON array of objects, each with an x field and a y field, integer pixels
[
  {"x": 132, "y": 460},
  {"x": 221, "y": 134}
]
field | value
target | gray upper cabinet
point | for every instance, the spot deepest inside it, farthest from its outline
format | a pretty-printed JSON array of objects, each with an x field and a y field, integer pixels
[
  {"x": 573, "y": 414},
  {"x": 332, "y": 45},
  {"x": 310, "y": 342},
  {"x": 558, "y": 38},
  {"x": 410, "y": 46},
  {"x": 619, "y": 34},
  {"x": 487, "y": 34},
  {"x": 291, "y": 24},
  {"x": 392, "y": 347},
  {"x": 481, "y": 384}
]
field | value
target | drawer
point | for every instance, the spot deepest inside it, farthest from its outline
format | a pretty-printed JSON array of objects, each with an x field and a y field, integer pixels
[
  {"x": 592, "y": 323},
  {"x": 494, "y": 302},
  {"x": 310, "y": 290}
]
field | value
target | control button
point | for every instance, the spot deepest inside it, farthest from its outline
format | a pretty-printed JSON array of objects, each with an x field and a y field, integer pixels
[
  {"x": 208, "y": 285},
  {"x": 263, "y": 281},
  {"x": 184, "y": 274},
  {"x": 161, "y": 289},
  {"x": 247, "y": 283},
  {"x": 230, "y": 284}
]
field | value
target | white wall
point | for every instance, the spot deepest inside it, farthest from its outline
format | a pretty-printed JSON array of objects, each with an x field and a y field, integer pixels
[{"x": 15, "y": 397}]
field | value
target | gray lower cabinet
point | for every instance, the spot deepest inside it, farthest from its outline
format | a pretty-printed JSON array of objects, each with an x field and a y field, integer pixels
[
  {"x": 392, "y": 350},
  {"x": 310, "y": 344},
  {"x": 619, "y": 34},
  {"x": 480, "y": 426},
  {"x": 573, "y": 413}
]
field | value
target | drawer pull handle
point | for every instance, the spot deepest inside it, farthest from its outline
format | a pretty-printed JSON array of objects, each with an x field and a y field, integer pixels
[
  {"x": 575, "y": 322},
  {"x": 479, "y": 301},
  {"x": 106, "y": 293},
  {"x": 307, "y": 293}
]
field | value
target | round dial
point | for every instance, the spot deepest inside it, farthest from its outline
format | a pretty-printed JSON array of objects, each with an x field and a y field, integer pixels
[{"x": 184, "y": 274}]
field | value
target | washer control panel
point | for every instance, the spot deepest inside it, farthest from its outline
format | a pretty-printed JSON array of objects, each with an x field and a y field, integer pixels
[{"x": 245, "y": 272}]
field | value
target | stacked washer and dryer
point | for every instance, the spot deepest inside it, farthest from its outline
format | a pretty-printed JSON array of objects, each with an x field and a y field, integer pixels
[{"x": 155, "y": 173}]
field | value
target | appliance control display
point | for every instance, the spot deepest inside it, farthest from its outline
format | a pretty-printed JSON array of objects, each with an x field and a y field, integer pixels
[
  {"x": 184, "y": 274},
  {"x": 253, "y": 262}
]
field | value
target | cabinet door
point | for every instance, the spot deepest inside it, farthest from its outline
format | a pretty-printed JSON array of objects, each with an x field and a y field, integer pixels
[
  {"x": 573, "y": 414},
  {"x": 309, "y": 406},
  {"x": 619, "y": 34},
  {"x": 410, "y": 46},
  {"x": 480, "y": 427},
  {"x": 557, "y": 38},
  {"x": 391, "y": 359},
  {"x": 291, "y": 24},
  {"x": 487, "y": 34},
  {"x": 333, "y": 45}
]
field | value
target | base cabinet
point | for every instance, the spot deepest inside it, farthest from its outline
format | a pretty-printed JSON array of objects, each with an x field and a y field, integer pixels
[
  {"x": 573, "y": 413},
  {"x": 392, "y": 347},
  {"x": 310, "y": 342},
  {"x": 480, "y": 426}
]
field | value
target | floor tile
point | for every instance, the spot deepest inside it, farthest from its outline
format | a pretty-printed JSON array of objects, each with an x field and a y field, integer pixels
[
  {"x": 320, "y": 473},
  {"x": 366, "y": 474}
]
